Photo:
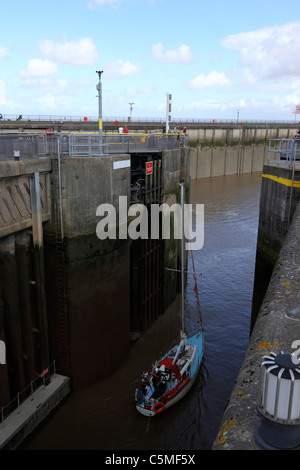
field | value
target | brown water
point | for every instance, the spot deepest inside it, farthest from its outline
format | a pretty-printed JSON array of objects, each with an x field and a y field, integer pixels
[{"x": 103, "y": 416}]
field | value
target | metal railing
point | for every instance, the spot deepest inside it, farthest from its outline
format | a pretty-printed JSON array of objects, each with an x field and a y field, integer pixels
[
  {"x": 284, "y": 151},
  {"x": 28, "y": 392},
  {"x": 85, "y": 145},
  {"x": 121, "y": 143},
  {"x": 122, "y": 119},
  {"x": 13, "y": 145}
]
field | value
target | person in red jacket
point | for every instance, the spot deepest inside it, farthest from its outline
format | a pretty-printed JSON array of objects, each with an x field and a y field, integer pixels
[{"x": 125, "y": 130}]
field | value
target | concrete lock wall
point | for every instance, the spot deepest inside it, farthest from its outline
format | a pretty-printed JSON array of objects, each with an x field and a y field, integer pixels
[
  {"x": 94, "y": 322},
  {"x": 87, "y": 280},
  {"x": 278, "y": 201},
  {"x": 21, "y": 316},
  {"x": 207, "y": 162},
  {"x": 275, "y": 315},
  {"x": 279, "y": 197},
  {"x": 231, "y": 150}
]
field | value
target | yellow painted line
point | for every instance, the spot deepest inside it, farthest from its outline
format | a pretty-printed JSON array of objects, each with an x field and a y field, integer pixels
[{"x": 284, "y": 181}]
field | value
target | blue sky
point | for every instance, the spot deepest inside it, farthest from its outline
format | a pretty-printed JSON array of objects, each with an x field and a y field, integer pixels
[{"x": 219, "y": 60}]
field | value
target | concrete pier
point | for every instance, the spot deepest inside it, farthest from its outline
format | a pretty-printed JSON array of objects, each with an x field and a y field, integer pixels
[{"x": 27, "y": 417}]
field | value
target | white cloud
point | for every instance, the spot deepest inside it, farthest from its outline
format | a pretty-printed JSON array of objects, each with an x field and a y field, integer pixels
[
  {"x": 4, "y": 51},
  {"x": 40, "y": 75},
  {"x": 270, "y": 52},
  {"x": 296, "y": 84},
  {"x": 214, "y": 78},
  {"x": 49, "y": 101},
  {"x": 44, "y": 83},
  {"x": 81, "y": 52},
  {"x": 215, "y": 108},
  {"x": 39, "y": 68},
  {"x": 181, "y": 55},
  {"x": 248, "y": 75},
  {"x": 205, "y": 105},
  {"x": 112, "y": 3},
  {"x": 121, "y": 69},
  {"x": 288, "y": 100}
]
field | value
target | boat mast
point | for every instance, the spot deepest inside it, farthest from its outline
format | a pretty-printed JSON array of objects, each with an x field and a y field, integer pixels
[{"x": 182, "y": 251}]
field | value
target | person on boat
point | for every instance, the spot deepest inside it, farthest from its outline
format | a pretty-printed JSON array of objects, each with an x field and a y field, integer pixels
[
  {"x": 159, "y": 383},
  {"x": 156, "y": 377}
]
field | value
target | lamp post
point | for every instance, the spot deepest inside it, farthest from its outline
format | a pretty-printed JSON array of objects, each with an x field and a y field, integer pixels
[{"x": 99, "y": 88}]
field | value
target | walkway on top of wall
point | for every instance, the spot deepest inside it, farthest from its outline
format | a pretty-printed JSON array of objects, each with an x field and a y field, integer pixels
[{"x": 85, "y": 145}]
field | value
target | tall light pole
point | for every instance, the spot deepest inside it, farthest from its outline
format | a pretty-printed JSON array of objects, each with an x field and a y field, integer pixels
[
  {"x": 130, "y": 104},
  {"x": 99, "y": 88}
]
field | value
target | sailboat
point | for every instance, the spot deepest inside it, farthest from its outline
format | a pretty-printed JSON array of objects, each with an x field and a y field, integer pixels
[{"x": 170, "y": 378}]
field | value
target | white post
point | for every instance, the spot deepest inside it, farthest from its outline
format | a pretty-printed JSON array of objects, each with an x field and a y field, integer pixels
[
  {"x": 168, "y": 111},
  {"x": 130, "y": 114}
]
